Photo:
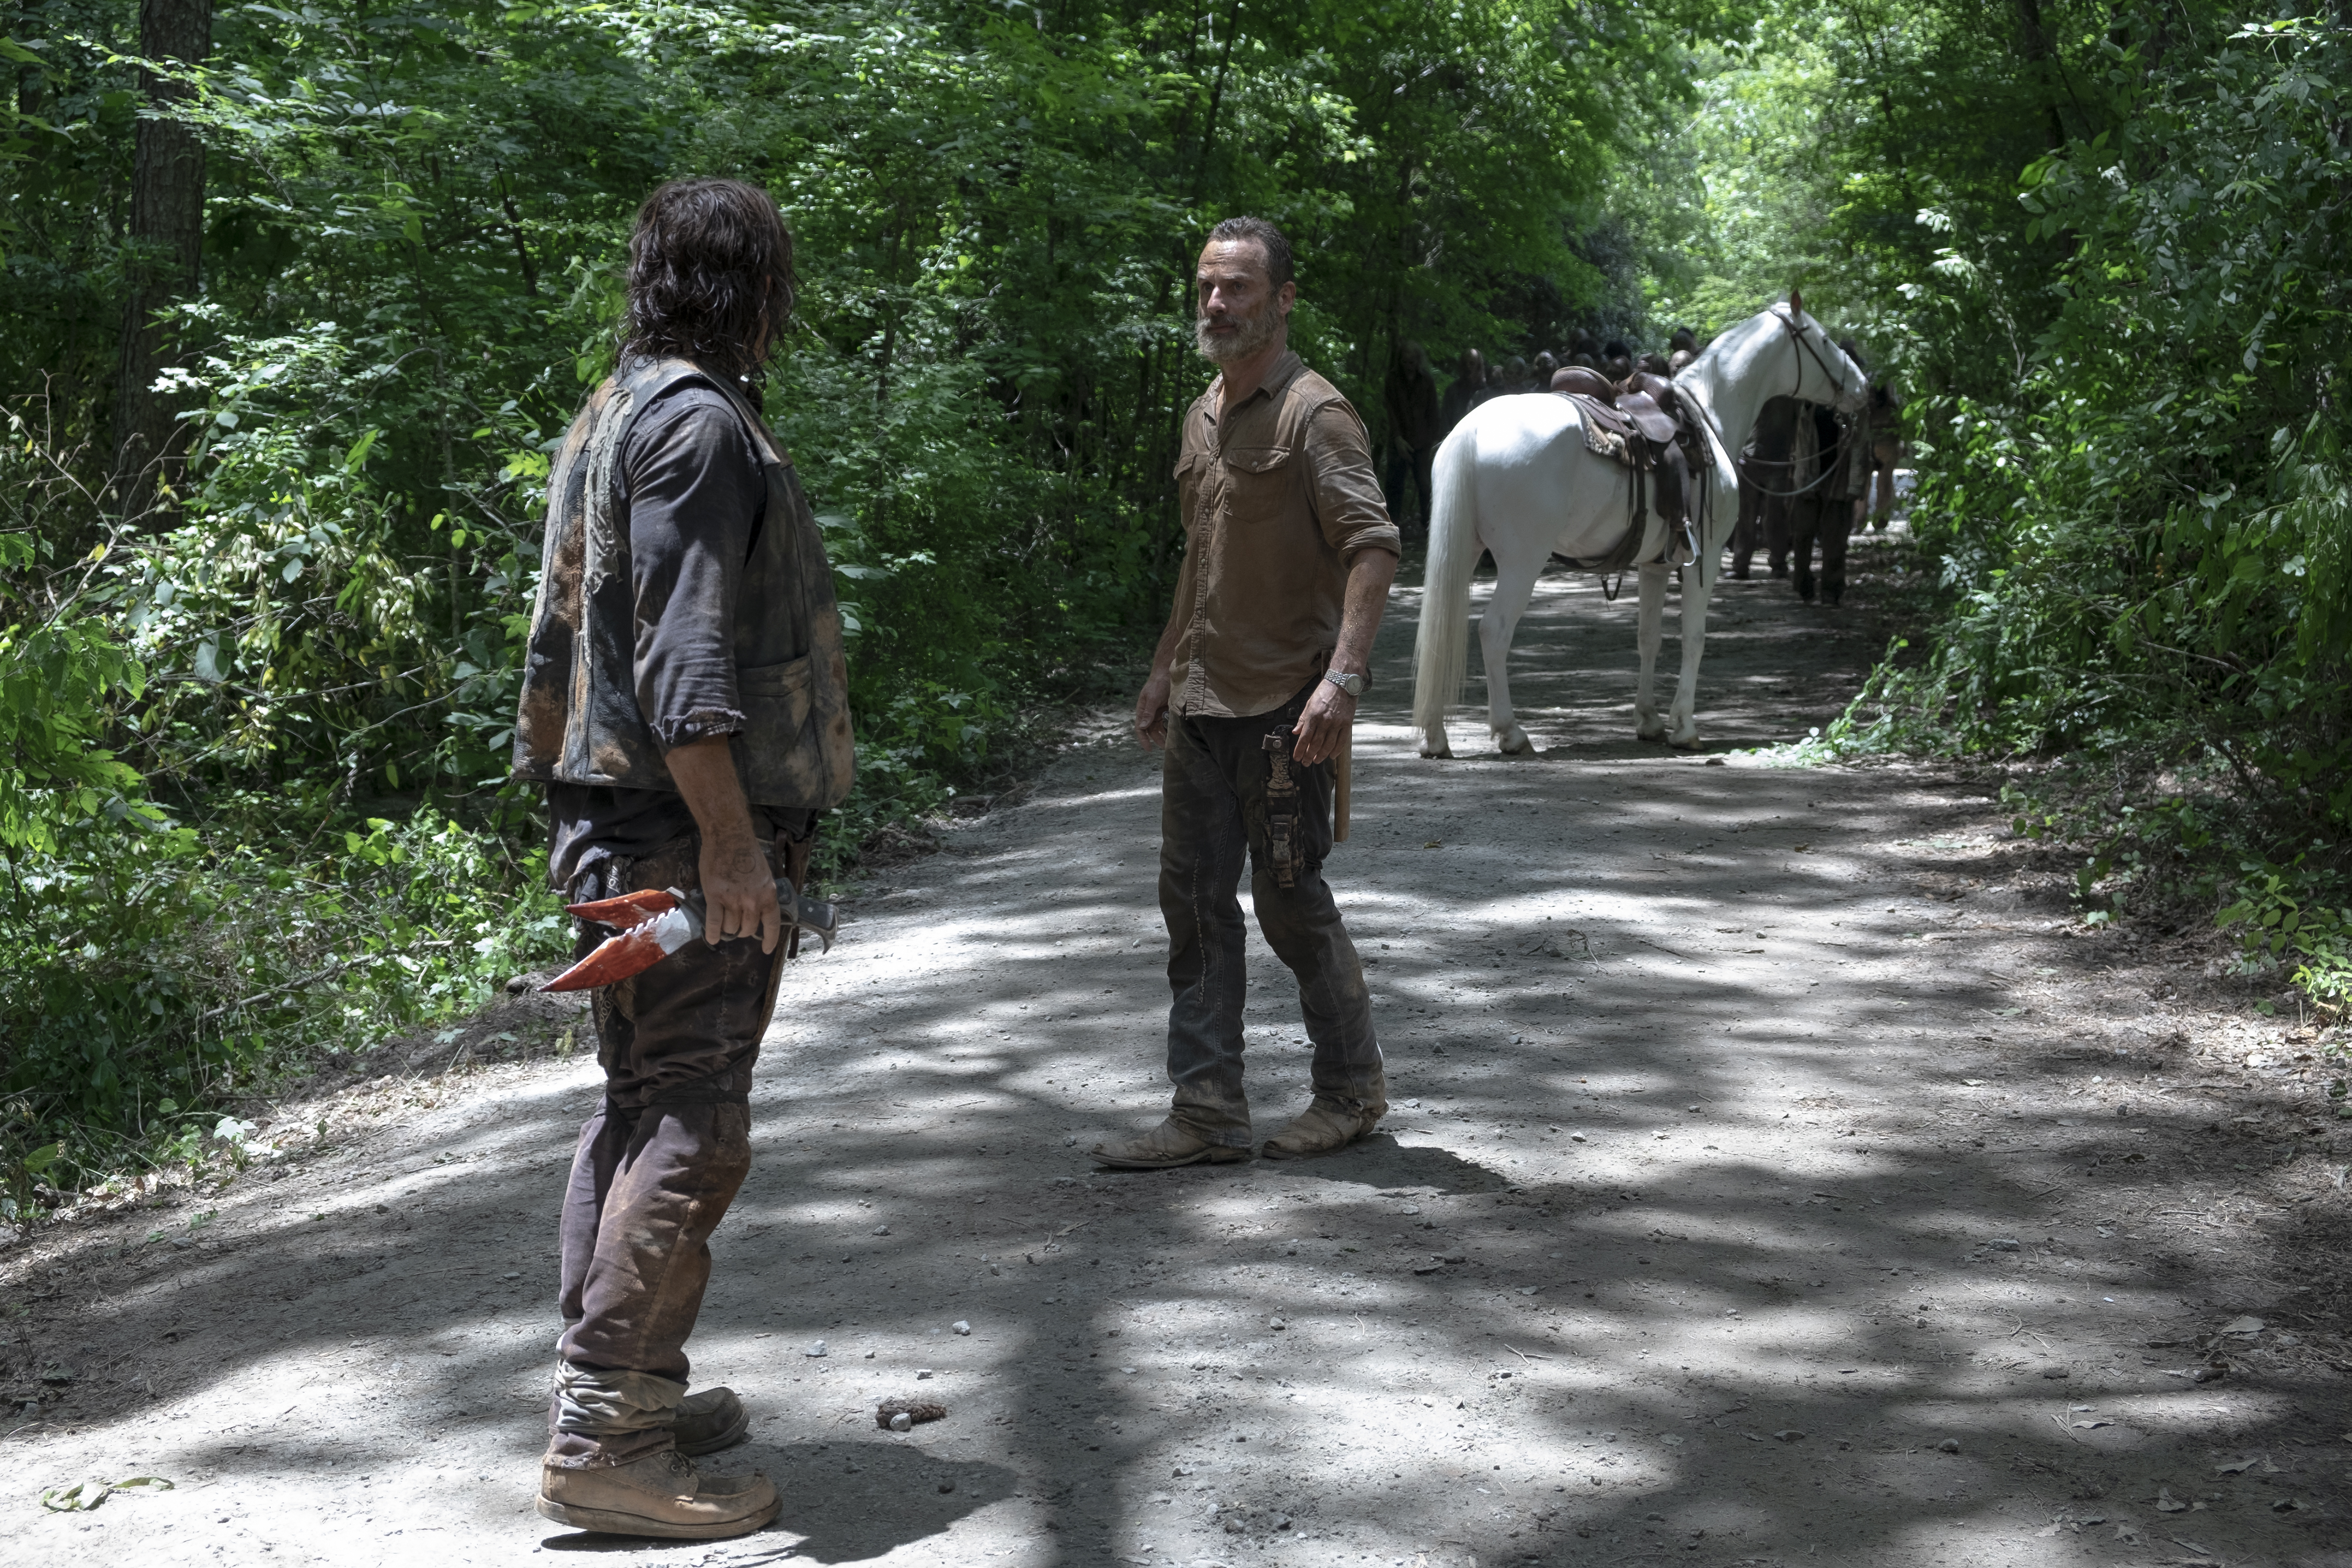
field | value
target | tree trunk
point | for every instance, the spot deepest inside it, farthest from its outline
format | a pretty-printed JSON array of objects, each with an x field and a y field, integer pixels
[
  {"x": 2043, "y": 59},
  {"x": 166, "y": 244}
]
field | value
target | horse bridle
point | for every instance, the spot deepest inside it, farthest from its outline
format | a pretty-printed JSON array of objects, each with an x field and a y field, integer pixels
[{"x": 1787, "y": 319}]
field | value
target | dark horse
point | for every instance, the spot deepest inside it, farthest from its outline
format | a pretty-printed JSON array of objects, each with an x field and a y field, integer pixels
[{"x": 1799, "y": 481}]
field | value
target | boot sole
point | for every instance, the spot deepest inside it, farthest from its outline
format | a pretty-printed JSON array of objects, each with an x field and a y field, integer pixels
[
  {"x": 1216, "y": 1154},
  {"x": 606, "y": 1521},
  {"x": 727, "y": 1439}
]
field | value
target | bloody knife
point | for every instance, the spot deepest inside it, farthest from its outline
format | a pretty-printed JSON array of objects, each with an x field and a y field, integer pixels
[{"x": 654, "y": 924}]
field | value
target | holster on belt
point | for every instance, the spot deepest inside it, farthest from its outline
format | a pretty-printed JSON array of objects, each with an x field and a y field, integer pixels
[{"x": 1281, "y": 810}]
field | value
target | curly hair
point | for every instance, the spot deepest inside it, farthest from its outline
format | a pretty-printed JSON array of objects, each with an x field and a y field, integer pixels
[{"x": 710, "y": 276}]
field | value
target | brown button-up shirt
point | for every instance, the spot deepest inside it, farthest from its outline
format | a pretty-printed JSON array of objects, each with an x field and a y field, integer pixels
[{"x": 1276, "y": 501}]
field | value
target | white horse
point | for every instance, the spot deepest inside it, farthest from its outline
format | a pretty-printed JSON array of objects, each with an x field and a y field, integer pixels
[{"x": 1514, "y": 477}]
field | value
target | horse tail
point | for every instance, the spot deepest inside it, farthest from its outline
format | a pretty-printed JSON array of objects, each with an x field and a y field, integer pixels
[{"x": 1441, "y": 646}]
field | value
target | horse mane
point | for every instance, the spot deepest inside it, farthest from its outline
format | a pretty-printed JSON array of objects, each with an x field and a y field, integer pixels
[{"x": 1720, "y": 343}]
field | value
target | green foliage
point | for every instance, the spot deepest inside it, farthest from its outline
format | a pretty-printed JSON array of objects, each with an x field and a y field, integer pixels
[
  {"x": 57, "y": 682},
  {"x": 2279, "y": 923},
  {"x": 414, "y": 226},
  {"x": 2112, "y": 285},
  {"x": 157, "y": 968}
]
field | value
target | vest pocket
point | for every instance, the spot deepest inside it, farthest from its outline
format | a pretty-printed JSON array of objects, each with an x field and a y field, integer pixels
[
  {"x": 774, "y": 680},
  {"x": 776, "y": 713}
]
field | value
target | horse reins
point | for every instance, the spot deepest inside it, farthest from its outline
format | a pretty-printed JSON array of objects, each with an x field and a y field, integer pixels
[{"x": 1783, "y": 463}]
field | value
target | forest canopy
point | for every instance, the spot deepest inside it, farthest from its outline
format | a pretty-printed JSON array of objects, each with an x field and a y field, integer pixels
[{"x": 299, "y": 298}]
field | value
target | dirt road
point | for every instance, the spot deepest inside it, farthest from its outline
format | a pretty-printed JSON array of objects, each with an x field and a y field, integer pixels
[{"x": 1778, "y": 1173}]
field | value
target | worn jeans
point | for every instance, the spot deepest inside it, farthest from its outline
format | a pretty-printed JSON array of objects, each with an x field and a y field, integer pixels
[
  {"x": 1219, "y": 798},
  {"x": 654, "y": 1173}
]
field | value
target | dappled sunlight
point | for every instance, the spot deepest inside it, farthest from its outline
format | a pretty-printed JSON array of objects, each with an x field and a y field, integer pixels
[{"x": 1707, "y": 1219}]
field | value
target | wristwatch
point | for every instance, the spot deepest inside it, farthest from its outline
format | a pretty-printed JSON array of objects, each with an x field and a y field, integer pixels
[{"x": 1353, "y": 685}]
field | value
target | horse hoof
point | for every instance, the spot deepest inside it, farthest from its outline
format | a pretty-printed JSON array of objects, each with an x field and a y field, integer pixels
[
  {"x": 1439, "y": 752},
  {"x": 1516, "y": 745},
  {"x": 1689, "y": 743},
  {"x": 1651, "y": 734}
]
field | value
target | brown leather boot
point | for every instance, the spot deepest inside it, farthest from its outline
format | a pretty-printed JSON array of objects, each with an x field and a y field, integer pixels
[
  {"x": 710, "y": 1420},
  {"x": 660, "y": 1494},
  {"x": 1327, "y": 1125},
  {"x": 1165, "y": 1147}
]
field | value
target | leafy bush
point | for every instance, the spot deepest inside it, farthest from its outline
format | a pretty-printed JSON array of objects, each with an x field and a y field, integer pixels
[
  {"x": 160, "y": 967},
  {"x": 2142, "y": 538}
]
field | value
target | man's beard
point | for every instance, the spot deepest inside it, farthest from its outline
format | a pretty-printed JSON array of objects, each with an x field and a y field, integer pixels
[{"x": 1251, "y": 334}]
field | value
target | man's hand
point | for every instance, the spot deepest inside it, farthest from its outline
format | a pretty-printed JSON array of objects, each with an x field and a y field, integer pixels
[
  {"x": 738, "y": 890},
  {"x": 1152, "y": 710},
  {"x": 1331, "y": 712},
  {"x": 1323, "y": 728},
  {"x": 738, "y": 893}
]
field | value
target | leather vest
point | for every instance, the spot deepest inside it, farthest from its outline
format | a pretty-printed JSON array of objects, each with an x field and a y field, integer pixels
[{"x": 579, "y": 722}]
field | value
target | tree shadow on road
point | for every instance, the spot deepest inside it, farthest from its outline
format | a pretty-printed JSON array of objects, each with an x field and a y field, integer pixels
[{"x": 1631, "y": 1346}]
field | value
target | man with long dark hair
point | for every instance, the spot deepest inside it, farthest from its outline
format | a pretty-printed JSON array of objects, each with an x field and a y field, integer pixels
[
  {"x": 1289, "y": 556},
  {"x": 684, "y": 702}
]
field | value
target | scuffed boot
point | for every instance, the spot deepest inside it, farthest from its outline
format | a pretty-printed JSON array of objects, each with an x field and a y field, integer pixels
[
  {"x": 660, "y": 1495},
  {"x": 709, "y": 1421},
  {"x": 1165, "y": 1147},
  {"x": 1327, "y": 1125}
]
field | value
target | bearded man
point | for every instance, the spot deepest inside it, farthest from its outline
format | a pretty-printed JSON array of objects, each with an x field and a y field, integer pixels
[
  {"x": 684, "y": 702},
  {"x": 1288, "y": 557}
]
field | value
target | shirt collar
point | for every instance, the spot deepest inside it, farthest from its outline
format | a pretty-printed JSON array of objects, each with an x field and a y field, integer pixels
[{"x": 1286, "y": 369}]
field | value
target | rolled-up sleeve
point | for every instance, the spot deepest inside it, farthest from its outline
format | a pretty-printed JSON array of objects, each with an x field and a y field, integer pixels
[
  {"x": 1349, "y": 506},
  {"x": 696, "y": 496}
]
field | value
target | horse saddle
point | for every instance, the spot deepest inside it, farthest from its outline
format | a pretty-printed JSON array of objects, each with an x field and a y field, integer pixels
[
  {"x": 1643, "y": 405},
  {"x": 1643, "y": 424}
]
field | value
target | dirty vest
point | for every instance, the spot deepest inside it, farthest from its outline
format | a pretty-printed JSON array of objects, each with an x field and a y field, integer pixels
[{"x": 579, "y": 721}]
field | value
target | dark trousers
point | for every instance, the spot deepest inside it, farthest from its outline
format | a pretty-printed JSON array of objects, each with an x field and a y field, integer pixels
[
  {"x": 1830, "y": 521},
  {"x": 664, "y": 1156},
  {"x": 1749, "y": 529},
  {"x": 1763, "y": 524},
  {"x": 1221, "y": 798},
  {"x": 1409, "y": 466}
]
